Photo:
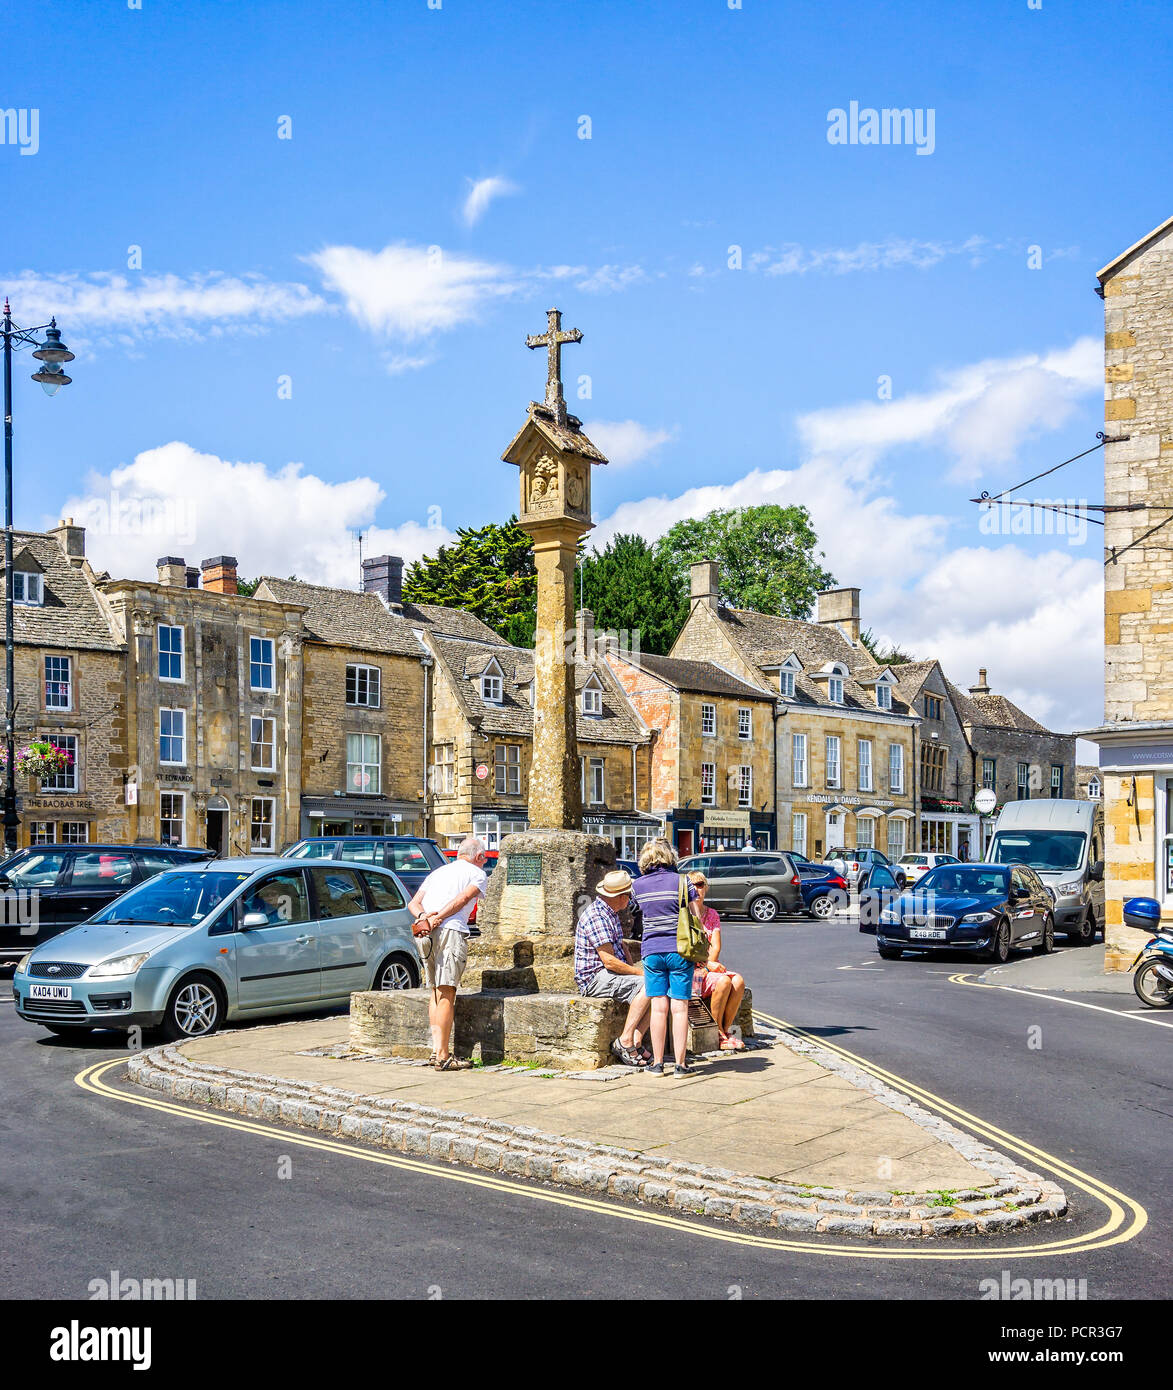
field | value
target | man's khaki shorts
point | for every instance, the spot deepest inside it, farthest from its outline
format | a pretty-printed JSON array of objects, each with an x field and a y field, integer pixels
[{"x": 445, "y": 954}]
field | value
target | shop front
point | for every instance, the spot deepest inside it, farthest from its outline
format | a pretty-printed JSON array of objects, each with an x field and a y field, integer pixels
[
  {"x": 710, "y": 828},
  {"x": 491, "y": 827},
  {"x": 824, "y": 824},
  {"x": 359, "y": 815},
  {"x": 947, "y": 827},
  {"x": 628, "y": 831}
]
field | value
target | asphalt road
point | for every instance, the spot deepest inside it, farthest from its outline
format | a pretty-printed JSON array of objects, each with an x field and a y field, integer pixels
[{"x": 90, "y": 1184}]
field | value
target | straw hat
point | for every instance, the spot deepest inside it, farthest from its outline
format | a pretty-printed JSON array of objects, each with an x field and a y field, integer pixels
[{"x": 615, "y": 884}]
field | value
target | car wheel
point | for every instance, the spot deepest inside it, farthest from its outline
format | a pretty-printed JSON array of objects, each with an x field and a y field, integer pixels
[
  {"x": 889, "y": 952},
  {"x": 397, "y": 972},
  {"x": 1047, "y": 944},
  {"x": 1085, "y": 933},
  {"x": 1151, "y": 988},
  {"x": 999, "y": 948},
  {"x": 195, "y": 1009},
  {"x": 823, "y": 907},
  {"x": 763, "y": 908}
]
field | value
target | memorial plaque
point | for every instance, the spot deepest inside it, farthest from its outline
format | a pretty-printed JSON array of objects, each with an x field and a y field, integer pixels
[{"x": 524, "y": 869}]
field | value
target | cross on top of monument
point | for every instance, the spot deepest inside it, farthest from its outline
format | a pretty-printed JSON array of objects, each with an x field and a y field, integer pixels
[{"x": 552, "y": 340}]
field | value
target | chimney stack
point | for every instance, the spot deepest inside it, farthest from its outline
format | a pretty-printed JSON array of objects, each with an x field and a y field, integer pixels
[
  {"x": 584, "y": 633},
  {"x": 983, "y": 685},
  {"x": 219, "y": 574},
  {"x": 839, "y": 608},
  {"x": 192, "y": 575},
  {"x": 383, "y": 575},
  {"x": 71, "y": 538},
  {"x": 171, "y": 571},
  {"x": 704, "y": 579}
]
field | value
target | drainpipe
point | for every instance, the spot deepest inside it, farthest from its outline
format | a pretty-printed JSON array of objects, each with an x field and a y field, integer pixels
[
  {"x": 426, "y": 663},
  {"x": 779, "y": 714}
]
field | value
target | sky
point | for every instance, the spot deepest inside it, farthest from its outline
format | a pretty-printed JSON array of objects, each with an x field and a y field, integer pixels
[{"x": 298, "y": 247}]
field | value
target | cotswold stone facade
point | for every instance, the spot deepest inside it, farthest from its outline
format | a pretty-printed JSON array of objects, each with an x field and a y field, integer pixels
[
  {"x": 69, "y": 689},
  {"x": 482, "y": 732},
  {"x": 1136, "y": 739},
  {"x": 712, "y": 754}
]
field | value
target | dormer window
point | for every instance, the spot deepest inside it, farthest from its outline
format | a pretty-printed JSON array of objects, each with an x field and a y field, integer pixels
[
  {"x": 492, "y": 690},
  {"x": 883, "y": 696},
  {"x": 28, "y": 588},
  {"x": 786, "y": 684},
  {"x": 835, "y": 690},
  {"x": 592, "y": 698}
]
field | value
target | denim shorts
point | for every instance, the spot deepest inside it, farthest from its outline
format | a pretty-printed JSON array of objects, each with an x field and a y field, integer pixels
[{"x": 668, "y": 974}]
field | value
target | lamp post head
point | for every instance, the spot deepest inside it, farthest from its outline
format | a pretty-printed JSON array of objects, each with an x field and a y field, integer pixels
[{"x": 53, "y": 349}]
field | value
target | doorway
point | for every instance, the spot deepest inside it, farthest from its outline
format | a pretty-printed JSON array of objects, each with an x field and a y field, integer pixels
[
  {"x": 217, "y": 832},
  {"x": 683, "y": 843}
]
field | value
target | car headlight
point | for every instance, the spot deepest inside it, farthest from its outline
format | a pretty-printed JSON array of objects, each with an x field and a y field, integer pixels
[
  {"x": 118, "y": 965},
  {"x": 1068, "y": 890},
  {"x": 890, "y": 916},
  {"x": 22, "y": 963},
  {"x": 978, "y": 917}
]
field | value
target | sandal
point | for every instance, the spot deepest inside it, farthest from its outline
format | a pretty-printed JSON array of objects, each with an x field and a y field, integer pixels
[
  {"x": 629, "y": 1056},
  {"x": 731, "y": 1044},
  {"x": 451, "y": 1063}
]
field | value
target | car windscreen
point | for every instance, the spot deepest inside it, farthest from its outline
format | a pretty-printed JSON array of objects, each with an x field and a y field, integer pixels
[
  {"x": 312, "y": 849},
  {"x": 1046, "y": 851},
  {"x": 914, "y": 859},
  {"x": 178, "y": 898},
  {"x": 952, "y": 882}
]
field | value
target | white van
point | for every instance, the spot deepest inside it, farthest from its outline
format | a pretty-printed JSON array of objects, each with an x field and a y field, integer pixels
[{"x": 1063, "y": 841}]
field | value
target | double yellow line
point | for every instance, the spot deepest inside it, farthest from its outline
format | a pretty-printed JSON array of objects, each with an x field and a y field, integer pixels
[{"x": 1125, "y": 1220}]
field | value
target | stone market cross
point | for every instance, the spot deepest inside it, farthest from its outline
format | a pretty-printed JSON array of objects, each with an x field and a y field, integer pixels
[{"x": 552, "y": 340}]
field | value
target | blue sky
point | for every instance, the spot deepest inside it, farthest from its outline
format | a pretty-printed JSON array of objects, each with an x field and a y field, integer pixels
[{"x": 307, "y": 258}]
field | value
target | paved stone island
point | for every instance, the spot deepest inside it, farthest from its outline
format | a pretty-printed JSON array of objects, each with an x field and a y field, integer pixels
[{"x": 772, "y": 1137}]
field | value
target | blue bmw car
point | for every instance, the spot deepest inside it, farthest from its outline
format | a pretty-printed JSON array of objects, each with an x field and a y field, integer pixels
[{"x": 985, "y": 909}]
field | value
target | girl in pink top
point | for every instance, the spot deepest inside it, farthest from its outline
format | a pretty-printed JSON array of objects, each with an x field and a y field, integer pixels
[{"x": 721, "y": 988}]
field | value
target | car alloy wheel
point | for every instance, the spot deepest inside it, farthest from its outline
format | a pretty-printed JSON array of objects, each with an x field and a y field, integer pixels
[
  {"x": 395, "y": 975},
  {"x": 1000, "y": 946},
  {"x": 1085, "y": 933},
  {"x": 823, "y": 907},
  {"x": 763, "y": 909},
  {"x": 196, "y": 1009},
  {"x": 1047, "y": 944}
]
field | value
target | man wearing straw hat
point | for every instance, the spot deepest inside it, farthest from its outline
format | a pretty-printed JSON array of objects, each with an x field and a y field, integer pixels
[{"x": 602, "y": 967}]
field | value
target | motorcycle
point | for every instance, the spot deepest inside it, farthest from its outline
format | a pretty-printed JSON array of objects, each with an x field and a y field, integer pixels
[{"x": 1153, "y": 982}]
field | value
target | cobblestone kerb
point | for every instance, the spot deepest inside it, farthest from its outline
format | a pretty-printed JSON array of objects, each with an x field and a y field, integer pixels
[{"x": 1014, "y": 1198}]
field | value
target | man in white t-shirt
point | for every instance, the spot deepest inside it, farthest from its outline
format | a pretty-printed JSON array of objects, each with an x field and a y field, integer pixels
[{"x": 444, "y": 903}]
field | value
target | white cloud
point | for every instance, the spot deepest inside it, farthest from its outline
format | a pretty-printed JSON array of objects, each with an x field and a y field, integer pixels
[
  {"x": 403, "y": 362},
  {"x": 166, "y": 305},
  {"x": 896, "y": 253},
  {"x": 175, "y": 500},
  {"x": 609, "y": 278},
  {"x": 625, "y": 441},
  {"x": 981, "y": 413},
  {"x": 1033, "y": 619},
  {"x": 410, "y": 291},
  {"x": 481, "y": 193}
]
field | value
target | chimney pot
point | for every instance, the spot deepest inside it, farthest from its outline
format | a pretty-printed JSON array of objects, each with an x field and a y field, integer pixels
[{"x": 71, "y": 538}]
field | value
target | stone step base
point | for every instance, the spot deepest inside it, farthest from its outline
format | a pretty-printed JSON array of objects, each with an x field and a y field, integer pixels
[{"x": 559, "y": 1030}]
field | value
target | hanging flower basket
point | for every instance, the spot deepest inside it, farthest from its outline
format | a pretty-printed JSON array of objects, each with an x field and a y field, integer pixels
[{"x": 43, "y": 760}]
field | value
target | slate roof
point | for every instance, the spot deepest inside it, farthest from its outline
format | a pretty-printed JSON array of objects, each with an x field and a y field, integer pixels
[
  {"x": 767, "y": 640},
  {"x": 702, "y": 677},
  {"x": 466, "y": 661},
  {"x": 910, "y": 678},
  {"x": 452, "y": 622},
  {"x": 73, "y": 614},
  {"x": 569, "y": 438},
  {"x": 345, "y": 617},
  {"x": 994, "y": 712}
]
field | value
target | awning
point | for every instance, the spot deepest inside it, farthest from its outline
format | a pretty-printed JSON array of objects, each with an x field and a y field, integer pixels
[
  {"x": 869, "y": 812},
  {"x": 622, "y": 818},
  {"x": 900, "y": 815}
]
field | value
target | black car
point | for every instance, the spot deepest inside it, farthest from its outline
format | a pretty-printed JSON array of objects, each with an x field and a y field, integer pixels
[
  {"x": 985, "y": 909},
  {"x": 47, "y": 888},
  {"x": 411, "y": 857}
]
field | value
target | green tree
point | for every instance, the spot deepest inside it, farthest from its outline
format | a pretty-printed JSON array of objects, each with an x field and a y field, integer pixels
[
  {"x": 629, "y": 586},
  {"x": 892, "y": 656},
  {"x": 489, "y": 571},
  {"x": 767, "y": 556}
]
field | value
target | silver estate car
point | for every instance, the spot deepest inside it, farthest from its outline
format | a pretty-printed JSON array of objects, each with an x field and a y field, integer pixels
[{"x": 225, "y": 939}]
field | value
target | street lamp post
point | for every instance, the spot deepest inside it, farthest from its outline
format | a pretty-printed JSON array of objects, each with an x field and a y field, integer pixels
[{"x": 52, "y": 352}]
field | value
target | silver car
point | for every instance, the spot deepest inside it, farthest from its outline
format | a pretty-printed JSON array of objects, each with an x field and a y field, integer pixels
[{"x": 227, "y": 939}]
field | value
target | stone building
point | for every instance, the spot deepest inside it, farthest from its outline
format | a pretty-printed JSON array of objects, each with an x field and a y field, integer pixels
[
  {"x": 1136, "y": 738},
  {"x": 1089, "y": 784},
  {"x": 69, "y": 665},
  {"x": 482, "y": 730},
  {"x": 843, "y": 733},
  {"x": 212, "y": 700},
  {"x": 712, "y": 755}
]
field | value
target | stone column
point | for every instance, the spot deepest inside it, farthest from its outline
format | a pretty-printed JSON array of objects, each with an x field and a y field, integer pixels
[{"x": 555, "y": 795}]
